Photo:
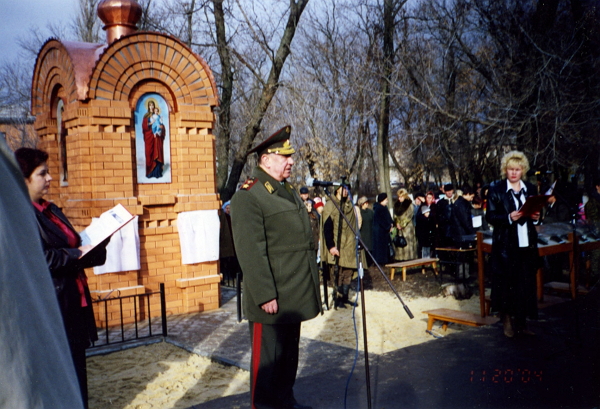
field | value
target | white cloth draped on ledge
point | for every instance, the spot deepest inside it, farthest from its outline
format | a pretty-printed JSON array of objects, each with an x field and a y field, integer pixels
[
  {"x": 199, "y": 236},
  {"x": 123, "y": 250}
]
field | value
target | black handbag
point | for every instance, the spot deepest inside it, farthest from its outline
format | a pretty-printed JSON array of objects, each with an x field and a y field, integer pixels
[
  {"x": 391, "y": 251},
  {"x": 400, "y": 240}
]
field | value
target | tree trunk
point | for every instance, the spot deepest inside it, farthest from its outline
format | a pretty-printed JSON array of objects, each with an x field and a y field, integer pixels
[
  {"x": 383, "y": 122},
  {"x": 268, "y": 92},
  {"x": 223, "y": 142}
]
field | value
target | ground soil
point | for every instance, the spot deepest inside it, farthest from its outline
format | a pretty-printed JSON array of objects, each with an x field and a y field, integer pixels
[{"x": 419, "y": 285}]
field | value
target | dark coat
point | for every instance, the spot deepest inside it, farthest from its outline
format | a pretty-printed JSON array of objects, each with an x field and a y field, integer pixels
[
  {"x": 557, "y": 213},
  {"x": 425, "y": 230},
  {"x": 506, "y": 283},
  {"x": 276, "y": 251},
  {"x": 443, "y": 216},
  {"x": 461, "y": 222},
  {"x": 65, "y": 267},
  {"x": 226, "y": 247},
  {"x": 366, "y": 228},
  {"x": 382, "y": 223}
]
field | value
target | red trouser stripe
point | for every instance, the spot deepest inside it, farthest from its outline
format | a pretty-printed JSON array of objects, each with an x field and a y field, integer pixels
[{"x": 256, "y": 347}]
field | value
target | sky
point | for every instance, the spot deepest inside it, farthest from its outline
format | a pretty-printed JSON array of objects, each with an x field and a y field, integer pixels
[{"x": 21, "y": 15}]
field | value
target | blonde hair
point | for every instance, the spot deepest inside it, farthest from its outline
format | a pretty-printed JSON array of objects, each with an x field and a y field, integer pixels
[
  {"x": 514, "y": 158},
  {"x": 402, "y": 192}
]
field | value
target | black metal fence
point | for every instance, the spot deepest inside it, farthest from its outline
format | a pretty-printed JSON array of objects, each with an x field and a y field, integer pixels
[
  {"x": 143, "y": 325},
  {"x": 230, "y": 275},
  {"x": 234, "y": 280}
]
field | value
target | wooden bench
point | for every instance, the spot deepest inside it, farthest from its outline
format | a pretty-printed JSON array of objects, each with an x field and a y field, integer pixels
[
  {"x": 419, "y": 262},
  {"x": 460, "y": 317}
]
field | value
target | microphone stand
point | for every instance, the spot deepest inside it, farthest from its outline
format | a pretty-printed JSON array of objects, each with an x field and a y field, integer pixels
[{"x": 360, "y": 243}]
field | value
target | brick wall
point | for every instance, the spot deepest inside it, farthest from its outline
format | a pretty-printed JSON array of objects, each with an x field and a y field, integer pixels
[{"x": 98, "y": 116}]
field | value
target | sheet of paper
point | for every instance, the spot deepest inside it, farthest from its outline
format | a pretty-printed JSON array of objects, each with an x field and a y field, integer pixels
[{"x": 106, "y": 225}]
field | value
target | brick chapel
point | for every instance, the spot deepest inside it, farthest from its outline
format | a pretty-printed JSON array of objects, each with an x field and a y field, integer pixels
[{"x": 130, "y": 122}]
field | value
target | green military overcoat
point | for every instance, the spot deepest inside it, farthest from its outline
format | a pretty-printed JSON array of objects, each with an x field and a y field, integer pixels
[
  {"x": 347, "y": 245},
  {"x": 276, "y": 251}
]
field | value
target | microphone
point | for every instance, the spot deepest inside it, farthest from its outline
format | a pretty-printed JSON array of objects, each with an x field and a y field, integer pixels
[{"x": 314, "y": 182}]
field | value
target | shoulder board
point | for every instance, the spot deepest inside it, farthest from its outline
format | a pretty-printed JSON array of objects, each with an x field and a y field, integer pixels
[{"x": 247, "y": 185}]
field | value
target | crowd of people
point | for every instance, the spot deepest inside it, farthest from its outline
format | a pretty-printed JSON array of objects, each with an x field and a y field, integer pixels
[
  {"x": 426, "y": 221},
  {"x": 410, "y": 228}
]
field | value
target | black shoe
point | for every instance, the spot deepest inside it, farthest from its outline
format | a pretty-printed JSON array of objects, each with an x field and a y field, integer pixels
[{"x": 339, "y": 304}]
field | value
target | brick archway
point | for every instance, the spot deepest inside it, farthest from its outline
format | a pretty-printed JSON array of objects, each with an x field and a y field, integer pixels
[
  {"x": 153, "y": 56},
  {"x": 53, "y": 68}
]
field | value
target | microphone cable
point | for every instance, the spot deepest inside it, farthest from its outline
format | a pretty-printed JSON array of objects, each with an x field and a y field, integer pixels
[
  {"x": 358, "y": 291},
  {"x": 355, "y": 360}
]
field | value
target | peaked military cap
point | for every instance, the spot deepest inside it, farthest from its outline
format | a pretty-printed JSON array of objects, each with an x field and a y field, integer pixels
[{"x": 278, "y": 143}]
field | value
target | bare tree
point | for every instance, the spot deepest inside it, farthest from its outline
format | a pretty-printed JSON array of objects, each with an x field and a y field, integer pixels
[
  {"x": 15, "y": 84},
  {"x": 330, "y": 96},
  {"x": 226, "y": 94},
  {"x": 87, "y": 26},
  {"x": 267, "y": 84},
  {"x": 179, "y": 18}
]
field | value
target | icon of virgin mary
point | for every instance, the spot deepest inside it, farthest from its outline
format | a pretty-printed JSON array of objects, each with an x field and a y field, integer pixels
[{"x": 154, "y": 137}]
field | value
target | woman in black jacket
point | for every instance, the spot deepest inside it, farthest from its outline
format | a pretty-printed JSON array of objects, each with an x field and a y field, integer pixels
[
  {"x": 515, "y": 258},
  {"x": 65, "y": 257},
  {"x": 382, "y": 224}
]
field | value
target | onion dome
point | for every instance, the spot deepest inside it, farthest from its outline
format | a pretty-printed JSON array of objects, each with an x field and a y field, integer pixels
[{"x": 119, "y": 17}]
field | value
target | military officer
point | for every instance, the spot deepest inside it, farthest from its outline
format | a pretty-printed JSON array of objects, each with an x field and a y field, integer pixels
[{"x": 276, "y": 251}]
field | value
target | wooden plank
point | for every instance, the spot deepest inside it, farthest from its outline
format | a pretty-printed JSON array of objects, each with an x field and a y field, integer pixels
[
  {"x": 413, "y": 263},
  {"x": 460, "y": 317},
  {"x": 564, "y": 287}
]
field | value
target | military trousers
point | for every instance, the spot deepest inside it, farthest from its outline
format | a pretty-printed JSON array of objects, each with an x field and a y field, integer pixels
[{"x": 273, "y": 364}]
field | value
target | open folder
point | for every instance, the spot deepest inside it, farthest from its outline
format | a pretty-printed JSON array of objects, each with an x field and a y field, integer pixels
[
  {"x": 533, "y": 204},
  {"x": 105, "y": 226}
]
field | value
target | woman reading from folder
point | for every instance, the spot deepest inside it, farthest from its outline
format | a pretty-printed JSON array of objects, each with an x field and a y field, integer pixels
[
  {"x": 64, "y": 255},
  {"x": 515, "y": 258}
]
